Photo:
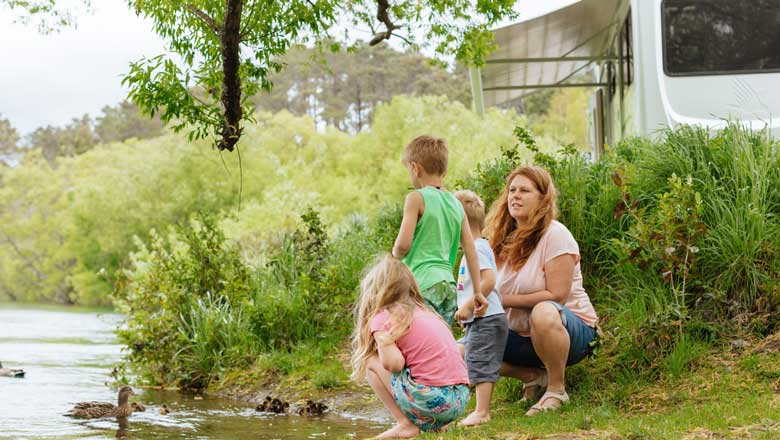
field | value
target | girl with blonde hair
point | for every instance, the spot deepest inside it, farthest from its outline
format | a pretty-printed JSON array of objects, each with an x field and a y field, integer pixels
[
  {"x": 551, "y": 319},
  {"x": 406, "y": 353}
]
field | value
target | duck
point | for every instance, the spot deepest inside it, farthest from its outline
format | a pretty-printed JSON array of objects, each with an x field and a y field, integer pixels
[
  {"x": 11, "y": 372},
  {"x": 164, "y": 410},
  {"x": 94, "y": 410},
  {"x": 312, "y": 408},
  {"x": 137, "y": 406},
  {"x": 274, "y": 405}
]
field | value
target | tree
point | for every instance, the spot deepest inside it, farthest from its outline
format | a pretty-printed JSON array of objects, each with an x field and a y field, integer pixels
[
  {"x": 228, "y": 49},
  {"x": 125, "y": 121},
  {"x": 75, "y": 138},
  {"x": 9, "y": 140},
  {"x": 45, "y": 13},
  {"x": 343, "y": 88}
]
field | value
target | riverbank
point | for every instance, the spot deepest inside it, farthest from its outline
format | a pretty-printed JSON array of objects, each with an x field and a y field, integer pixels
[
  {"x": 728, "y": 392},
  {"x": 305, "y": 373},
  {"x": 69, "y": 354}
]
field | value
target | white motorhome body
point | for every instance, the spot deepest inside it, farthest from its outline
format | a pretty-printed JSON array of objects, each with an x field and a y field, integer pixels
[{"x": 654, "y": 63}]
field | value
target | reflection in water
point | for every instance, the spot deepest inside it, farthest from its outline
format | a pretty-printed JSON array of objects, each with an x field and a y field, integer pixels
[
  {"x": 68, "y": 357},
  {"x": 121, "y": 432}
]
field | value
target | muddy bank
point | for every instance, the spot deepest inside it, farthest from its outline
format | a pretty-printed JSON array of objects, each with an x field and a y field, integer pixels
[{"x": 352, "y": 403}]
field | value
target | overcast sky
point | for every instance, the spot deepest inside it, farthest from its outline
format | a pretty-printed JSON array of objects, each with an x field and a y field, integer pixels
[{"x": 49, "y": 79}]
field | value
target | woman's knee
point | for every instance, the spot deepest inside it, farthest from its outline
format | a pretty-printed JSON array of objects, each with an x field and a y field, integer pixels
[{"x": 545, "y": 316}]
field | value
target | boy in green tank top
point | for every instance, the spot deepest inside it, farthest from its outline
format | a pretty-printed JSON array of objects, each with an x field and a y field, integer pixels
[{"x": 433, "y": 225}]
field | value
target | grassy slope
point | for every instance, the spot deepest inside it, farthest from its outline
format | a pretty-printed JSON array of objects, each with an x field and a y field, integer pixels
[{"x": 726, "y": 394}]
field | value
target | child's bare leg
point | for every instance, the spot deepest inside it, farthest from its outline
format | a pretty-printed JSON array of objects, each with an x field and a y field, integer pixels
[
  {"x": 379, "y": 380},
  {"x": 481, "y": 413},
  {"x": 462, "y": 349}
]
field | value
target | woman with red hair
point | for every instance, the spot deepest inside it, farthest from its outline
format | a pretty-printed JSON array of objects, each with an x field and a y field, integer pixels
[{"x": 551, "y": 319}]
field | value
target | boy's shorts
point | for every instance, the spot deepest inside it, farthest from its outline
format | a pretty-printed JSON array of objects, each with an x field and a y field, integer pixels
[
  {"x": 520, "y": 351},
  {"x": 428, "y": 407},
  {"x": 485, "y": 342},
  {"x": 443, "y": 299}
]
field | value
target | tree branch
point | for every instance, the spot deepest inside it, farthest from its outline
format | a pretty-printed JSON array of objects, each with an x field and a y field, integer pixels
[
  {"x": 382, "y": 15},
  {"x": 405, "y": 40},
  {"x": 205, "y": 18},
  {"x": 231, "y": 82}
]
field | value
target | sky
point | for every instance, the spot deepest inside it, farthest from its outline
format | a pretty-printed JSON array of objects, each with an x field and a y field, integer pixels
[{"x": 50, "y": 79}]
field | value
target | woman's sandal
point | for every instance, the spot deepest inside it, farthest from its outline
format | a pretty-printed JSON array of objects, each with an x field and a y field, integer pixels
[
  {"x": 540, "y": 382},
  {"x": 537, "y": 408}
]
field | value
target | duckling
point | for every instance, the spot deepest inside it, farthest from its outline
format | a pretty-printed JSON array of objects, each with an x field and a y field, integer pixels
[
  {"x": 274, "y": 405},
  {"x": 137, "y": 407},
  {"x": 263, "y": 407},
  {"x": 164, "y": 410},
  {"x": 278, "y": 406},
  {"x": 94, "y": 410},
  {"x": 11, "y": 372},
  {"x": 312, "y": 408}
]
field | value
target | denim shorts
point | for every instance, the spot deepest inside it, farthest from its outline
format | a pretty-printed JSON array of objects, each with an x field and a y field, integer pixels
[
  {"x": 520, "y": 351},
  {"x": 428, "y": 407}
]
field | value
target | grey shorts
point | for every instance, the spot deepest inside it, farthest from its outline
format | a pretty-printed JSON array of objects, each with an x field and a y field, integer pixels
[{"x": 485, "y": 342}]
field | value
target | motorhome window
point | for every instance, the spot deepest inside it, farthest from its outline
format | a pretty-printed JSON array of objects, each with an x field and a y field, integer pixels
[{"x": 715, "y": 37}]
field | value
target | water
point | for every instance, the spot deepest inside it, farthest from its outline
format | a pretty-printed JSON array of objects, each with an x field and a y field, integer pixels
[{"x": 68, "y": 356}]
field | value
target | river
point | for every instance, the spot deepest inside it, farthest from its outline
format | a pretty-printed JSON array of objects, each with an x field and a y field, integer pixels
[{"x": 68, "y": 356}]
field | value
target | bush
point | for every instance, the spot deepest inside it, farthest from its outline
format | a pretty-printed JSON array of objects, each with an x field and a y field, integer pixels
[{"x": 183, "y": 297}]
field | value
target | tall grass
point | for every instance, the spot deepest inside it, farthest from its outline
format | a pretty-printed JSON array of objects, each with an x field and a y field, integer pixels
[
  {"x": 215, "y": 337},
  {"x": 736, "y": 172}
]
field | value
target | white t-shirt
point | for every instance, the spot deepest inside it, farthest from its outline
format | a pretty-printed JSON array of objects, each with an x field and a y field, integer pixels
[{"x": 465, "y": 288}]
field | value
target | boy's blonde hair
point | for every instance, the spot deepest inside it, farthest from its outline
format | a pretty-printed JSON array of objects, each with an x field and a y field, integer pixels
[
  {"x": 388, "y": 285},
  {"x": 430, "y": 152},
  {"x": 474, "y": 207}
]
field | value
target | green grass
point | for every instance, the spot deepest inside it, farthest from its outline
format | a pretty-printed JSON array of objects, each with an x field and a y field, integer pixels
[{"x": 725, "y": 396}]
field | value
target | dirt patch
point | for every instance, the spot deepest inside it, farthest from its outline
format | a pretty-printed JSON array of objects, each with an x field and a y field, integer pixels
[
  {"x": 749, "y": 431},
  {"x": 703, "y": 434},
  {"x": 770, "y": 344}
]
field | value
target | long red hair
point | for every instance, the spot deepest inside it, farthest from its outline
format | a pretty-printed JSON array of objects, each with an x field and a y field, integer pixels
[{"x": 513, "y": 244}]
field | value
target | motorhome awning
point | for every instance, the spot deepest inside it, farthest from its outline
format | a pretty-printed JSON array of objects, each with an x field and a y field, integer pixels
[{"x": 549, "y": 50}]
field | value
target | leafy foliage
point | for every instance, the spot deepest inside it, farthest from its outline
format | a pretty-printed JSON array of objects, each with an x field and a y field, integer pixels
[
  {"x": 67, "y": 230},
  {"x": 46, "y": 14},
  {"x": 343, "y": 88},
  {"x": 208, "y": 89},
  {"x": 9, "y": 137},
  {"x": 124, "y": 121},
  {"x": 183, "y": 299}
]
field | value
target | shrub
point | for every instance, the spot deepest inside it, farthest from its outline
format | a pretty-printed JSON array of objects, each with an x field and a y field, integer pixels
[{"x": 182, "y": 297}]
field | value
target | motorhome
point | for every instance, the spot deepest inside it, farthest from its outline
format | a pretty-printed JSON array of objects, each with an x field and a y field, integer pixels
[{"x": 650, "y": 63}]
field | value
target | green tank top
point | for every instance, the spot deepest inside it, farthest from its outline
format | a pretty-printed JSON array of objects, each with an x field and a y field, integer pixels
[{"x": 436, "y": 237}]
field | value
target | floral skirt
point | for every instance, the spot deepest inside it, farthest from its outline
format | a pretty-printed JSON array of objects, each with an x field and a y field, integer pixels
[{"x": 428, "y": 407}]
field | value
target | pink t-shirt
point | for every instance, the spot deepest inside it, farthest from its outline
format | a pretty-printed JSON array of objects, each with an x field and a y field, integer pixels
[
  {"x": 429, "y": 349},
  {"x": 556, "y": 241}
]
